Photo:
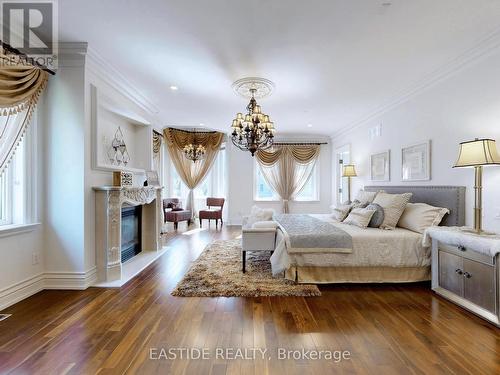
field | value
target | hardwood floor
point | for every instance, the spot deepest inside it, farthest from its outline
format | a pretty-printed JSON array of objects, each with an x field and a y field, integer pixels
[{"x": 388, "y": 329}]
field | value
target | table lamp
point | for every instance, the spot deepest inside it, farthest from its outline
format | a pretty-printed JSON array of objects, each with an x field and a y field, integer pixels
[
  {"x": 478, "y": 153},
  {"x": 349, "y": 171}
]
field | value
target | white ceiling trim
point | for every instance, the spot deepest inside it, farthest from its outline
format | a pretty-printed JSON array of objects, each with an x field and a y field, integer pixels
[
  {"x": 109, "y": 74},
  {"x": 471, "y": 56}
]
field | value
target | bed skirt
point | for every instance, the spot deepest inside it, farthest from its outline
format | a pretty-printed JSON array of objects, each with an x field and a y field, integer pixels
[{"x": 332, "y": 275}]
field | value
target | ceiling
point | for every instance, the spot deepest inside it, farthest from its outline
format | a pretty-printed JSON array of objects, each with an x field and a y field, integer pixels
[{"x": 332, "y": 61}]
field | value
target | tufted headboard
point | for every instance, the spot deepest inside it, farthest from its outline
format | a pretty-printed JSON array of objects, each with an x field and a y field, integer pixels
[{"x": 451, "y": 197}]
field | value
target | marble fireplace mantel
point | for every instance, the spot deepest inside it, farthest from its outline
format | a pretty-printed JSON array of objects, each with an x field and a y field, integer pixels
[{"x": 109, "y": 201}]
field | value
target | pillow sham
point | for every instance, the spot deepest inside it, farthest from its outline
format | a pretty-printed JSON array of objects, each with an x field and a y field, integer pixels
[
  {"x": 341, "y": 211},
  {"x": 378, "y": 216},
  {"x": 359, "y": 217},
  {"x": 365, "y": 196},
  {"x": 418, "y": 217},
  {"x": 393, "y": 205}
]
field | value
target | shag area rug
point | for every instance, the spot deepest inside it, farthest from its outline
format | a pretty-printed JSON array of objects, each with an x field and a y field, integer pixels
[{"x": 217, "y": 273}]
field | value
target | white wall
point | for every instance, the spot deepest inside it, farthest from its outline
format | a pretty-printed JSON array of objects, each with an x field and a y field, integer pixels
[
  {"x": 463, "y": 107},
  {"x": 64, "y": 154},
  {"x": 241, "y": 182}
]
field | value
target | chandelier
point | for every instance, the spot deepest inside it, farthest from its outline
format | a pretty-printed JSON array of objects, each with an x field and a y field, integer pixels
[
  {"x": 253, "y": 131},
  {"x": 194, "y": 152}
]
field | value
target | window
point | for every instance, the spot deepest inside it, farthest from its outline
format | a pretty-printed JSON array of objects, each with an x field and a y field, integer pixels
[
  {"x": 310, "y": 191},
  {"x": 212, "y": 185},
  {"x": 264, "y": 192},
  {"x": 14, "y": 197}
]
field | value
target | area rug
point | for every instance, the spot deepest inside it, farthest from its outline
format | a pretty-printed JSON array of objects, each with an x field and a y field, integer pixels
[{"x": 217, "y": 273}]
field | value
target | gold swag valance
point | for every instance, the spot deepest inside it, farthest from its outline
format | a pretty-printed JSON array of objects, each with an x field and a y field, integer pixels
[
  {"x": 180, "y": 138},
  {"x": 20, "y": 87},
  {"x": 302, "y": 154},
  {"x": 192, "y": 173}
]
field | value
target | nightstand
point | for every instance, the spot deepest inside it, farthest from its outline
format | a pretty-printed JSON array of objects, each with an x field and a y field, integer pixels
[{"x": 465, "y": 270}]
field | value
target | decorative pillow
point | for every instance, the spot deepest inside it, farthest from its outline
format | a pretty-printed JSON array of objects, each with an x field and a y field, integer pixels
[
  {"x": 265, "y": 224},
  {"x": 420, "y": 216},
  {"x": 340, "y": 212},
  {"x": 357, "y": 204},
  {"x": 378, "y": 216},
  {"x": 259, "y": 214},
  {"x": 359, "y": 217},
  {"x": 393, "y": 205},
  {"x": 176, "y": 208},
  {"x": 365, "y": 196}
]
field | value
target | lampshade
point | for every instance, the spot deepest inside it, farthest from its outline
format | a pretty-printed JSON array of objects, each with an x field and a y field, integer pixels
[
  {"x": 477, "y": 152},
  {"x": 349, "y": 171}
]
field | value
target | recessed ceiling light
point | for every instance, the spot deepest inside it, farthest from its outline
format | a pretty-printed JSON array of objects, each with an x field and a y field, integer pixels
[
  {"x": 309, "y": 125},
  {"x": 174, "y": 88},
  {"x": 202, "y": 124}
]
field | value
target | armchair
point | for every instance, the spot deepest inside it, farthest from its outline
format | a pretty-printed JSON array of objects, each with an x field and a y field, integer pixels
[
  {"x": 213, "y": 212},
  {"x": 173, "y": 212}
]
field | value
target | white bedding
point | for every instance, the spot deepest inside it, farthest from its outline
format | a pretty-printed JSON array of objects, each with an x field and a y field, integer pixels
[{"x": 372, "y": 247}]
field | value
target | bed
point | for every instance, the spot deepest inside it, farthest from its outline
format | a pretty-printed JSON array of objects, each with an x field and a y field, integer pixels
[{"x": 376, "y": 255}]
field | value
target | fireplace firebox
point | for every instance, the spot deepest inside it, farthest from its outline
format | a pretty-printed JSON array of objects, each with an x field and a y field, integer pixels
[{"x": 131, "y": 232}]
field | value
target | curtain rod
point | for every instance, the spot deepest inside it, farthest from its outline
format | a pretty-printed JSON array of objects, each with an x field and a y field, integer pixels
[
  {"x": 299, "y": 143},
  {"x": 193, "y": 131},
  {"x": 32, "y": 61}
]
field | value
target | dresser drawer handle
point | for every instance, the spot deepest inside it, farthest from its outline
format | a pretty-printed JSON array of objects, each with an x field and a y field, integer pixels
[
  {"x": 467, "y": 275},
  {"x": 461, "y": 248},
  {"x": 459, "y": 271}
]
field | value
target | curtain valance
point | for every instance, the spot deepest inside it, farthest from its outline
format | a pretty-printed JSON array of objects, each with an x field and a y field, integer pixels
[
  {"x": 302, "y": 154},
  {"x": 20, "y": 87},
  {"x": 180, "y": 138},
  {"x": 192, "y": 173},
  {"x": 156, "y": 142}
]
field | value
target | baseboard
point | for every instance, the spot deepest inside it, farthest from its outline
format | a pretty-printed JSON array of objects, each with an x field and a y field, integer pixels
[
  {"x": 21, "y": 290},
  {"x": 70, "y": 280},
  {"x": 48, "y": 280}
]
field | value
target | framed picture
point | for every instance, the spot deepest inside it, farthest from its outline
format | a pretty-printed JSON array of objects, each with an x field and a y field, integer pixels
[
  {"x": 380, "y": 166},
  {"x": 152, "y": 178},
  {"x": 416, "y": 162}
]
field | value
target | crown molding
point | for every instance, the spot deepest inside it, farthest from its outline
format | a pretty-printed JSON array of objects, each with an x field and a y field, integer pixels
[
  {"x": 109, "y": 74},
  {"x": 467, "y": 58}
]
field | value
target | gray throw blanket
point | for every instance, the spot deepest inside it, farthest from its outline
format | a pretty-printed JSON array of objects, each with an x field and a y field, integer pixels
[{"x": 307, "y": 234}]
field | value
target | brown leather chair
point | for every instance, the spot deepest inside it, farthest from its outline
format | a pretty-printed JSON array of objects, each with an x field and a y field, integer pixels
[
  {"x": 213, "y": 212},
  {"x": 173, "y": 212}
]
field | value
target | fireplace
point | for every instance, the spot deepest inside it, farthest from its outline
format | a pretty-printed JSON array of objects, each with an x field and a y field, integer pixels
[
  {"x": 131, "y": 232},
  {"x": 110, "y": 234}
]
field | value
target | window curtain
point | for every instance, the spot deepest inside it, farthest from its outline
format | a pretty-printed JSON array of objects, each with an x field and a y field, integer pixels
[
  {"x": 287, "y": 168},
  {"x": 192, "y": 173},
  {"x": 20, "y": 88}
]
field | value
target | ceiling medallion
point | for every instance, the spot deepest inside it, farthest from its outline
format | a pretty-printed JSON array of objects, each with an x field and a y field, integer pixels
[
  {"x": 263, "y": 87},
  {"x": 253, "y": 131}
]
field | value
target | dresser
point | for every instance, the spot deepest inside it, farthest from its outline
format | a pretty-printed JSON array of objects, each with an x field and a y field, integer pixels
[{"x": 465, "y": 270}]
